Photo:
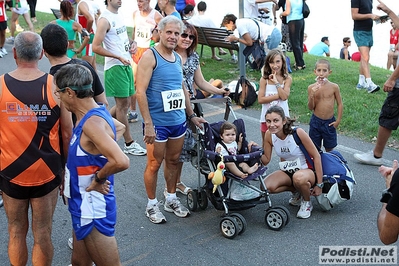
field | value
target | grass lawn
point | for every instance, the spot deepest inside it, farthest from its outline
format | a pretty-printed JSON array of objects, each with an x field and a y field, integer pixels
[{"x": 361, "y": 110}]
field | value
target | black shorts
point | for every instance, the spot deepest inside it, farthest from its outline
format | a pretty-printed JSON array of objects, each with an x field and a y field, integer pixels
[
  {"x": 389, "y": 115},
  {"x": 20, "y": 192},
  {"x": 291, "y": 175},
  {"x": 3, "y": 25}
]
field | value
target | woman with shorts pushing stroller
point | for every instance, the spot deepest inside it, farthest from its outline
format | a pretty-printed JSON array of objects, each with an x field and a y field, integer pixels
[{"x": 299, "y": 178}]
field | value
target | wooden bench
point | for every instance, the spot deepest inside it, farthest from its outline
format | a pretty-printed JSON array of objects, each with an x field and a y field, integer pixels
[
  {"x": 56, "y": 12},
  {"x": 214, "y": 37}
]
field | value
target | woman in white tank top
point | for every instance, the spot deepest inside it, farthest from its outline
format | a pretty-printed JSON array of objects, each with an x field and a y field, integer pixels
[{"x": 294, "y": 174}]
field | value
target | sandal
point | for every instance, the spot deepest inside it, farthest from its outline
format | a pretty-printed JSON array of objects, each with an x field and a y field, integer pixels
[{"x": 182, "y": 188}]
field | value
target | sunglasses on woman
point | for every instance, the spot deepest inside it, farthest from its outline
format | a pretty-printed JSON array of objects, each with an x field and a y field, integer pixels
[{"x": 185, "y": 35}]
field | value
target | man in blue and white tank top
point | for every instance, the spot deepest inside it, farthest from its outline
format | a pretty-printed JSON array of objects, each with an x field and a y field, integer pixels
[{"x": 164, "y": 104}]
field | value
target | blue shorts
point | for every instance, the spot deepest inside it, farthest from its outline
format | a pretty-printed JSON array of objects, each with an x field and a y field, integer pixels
[
  {"x": 319, "y": 130},
  {"x": 163, "y": 133},
  {"x": 363, "y": 38},
  {"x": 83, "y": 227}
]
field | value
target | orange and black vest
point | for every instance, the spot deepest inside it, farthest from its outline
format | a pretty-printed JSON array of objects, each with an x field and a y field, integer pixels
[{"x": 29, "y": 131}]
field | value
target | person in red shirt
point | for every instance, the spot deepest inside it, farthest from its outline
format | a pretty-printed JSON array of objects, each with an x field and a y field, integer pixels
[
  {"x": 305, "y": 49},
  {"x": 3, "y": 28},
  {"x": 393, "y": 48}
]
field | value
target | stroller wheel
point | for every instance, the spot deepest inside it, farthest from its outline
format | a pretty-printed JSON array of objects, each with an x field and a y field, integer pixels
[
  {"x": 202, "y": 199},
  {"x": 287, "y": 213},
  {"x": 192, "y": 200},
  {"x": 241, "y": 222},
  {"x": 229, "y": 227},
  {"x": 274, "y": 219}
]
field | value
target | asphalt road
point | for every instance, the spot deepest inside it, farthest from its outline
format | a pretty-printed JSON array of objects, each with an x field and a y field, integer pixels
[{"x": 197, "y": 240}]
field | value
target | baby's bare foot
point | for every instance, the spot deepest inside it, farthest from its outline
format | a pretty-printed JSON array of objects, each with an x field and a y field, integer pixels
[{"x": 253, "y": 168}]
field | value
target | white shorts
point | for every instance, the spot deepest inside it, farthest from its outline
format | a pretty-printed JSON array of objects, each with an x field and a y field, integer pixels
[{"x": 20, "y": 10}]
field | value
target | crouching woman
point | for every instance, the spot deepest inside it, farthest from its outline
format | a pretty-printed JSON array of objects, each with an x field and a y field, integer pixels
[{"x": 294, "y": 174}]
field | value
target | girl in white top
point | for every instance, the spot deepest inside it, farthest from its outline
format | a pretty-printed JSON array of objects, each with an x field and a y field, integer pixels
[
  {"x": 274, "y": 86},
  {"x": 294, "y": 174}
]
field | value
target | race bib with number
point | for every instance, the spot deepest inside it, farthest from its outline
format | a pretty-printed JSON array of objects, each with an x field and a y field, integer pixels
[
  {"x": 143, "y": 32},
  {"x": 290, "y": 166},
  {"x": 126, "y": 45},
  {"x": 173, "y": 100}
]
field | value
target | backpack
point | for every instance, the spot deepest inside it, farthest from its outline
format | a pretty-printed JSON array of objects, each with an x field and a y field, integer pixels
[
  {"x": 255, "y": 55},
  {"x": 247, "y": 96},
  {"x": 338, "y": 178},
  {"x": 305, "y": 9}
]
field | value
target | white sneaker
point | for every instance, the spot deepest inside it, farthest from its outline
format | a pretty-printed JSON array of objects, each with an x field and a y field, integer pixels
[
  {"x": 360, "y": 87},
  {"x": 134, "y": 149},
  {"x": 4, "y": 51},
  {"x": 1, "y": 54},
  {"x": 154, "y": 214},
  {"x": 305, "y": 210},
  {"x": 373, "y": 88},
  {"x": 295, "y": 199},
  {"x": 368, "y": 158},
  {"x": 176, "y": 207}
]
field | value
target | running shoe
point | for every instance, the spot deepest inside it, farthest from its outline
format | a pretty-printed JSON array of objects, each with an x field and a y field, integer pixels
[
  {"x": 132, "y": 117},
  {"x": 305, "y": 210},
  {"x": 154, "y": 214},
  {"x": 368, "y": 158},
  {"x": 373, "y": 88},
  {"x": 134, "y": 149},
  {"x": 360, "y": 87},
  {"x": 176, "y": 207}
]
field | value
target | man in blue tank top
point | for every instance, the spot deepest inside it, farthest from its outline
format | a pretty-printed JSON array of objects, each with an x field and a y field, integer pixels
[{"x": 164, "y": 104}]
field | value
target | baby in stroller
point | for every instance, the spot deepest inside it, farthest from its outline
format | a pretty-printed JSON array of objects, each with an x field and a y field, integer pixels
[{"x": 229, "y": 146}]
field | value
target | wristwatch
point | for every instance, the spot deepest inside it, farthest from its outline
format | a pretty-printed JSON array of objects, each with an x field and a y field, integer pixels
[
  {"x": 321, "y": 185},
  {"x": 99, "y": 180},
  {"x": 192, "y": 116},
  {"x": 386, "y": 196}
]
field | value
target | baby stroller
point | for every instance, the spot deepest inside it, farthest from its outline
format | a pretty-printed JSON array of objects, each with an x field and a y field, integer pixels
[{"x": 224, "y": 198}]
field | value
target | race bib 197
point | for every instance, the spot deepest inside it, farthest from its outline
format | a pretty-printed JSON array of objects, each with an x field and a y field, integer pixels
[{"x": 173, "y": 100}]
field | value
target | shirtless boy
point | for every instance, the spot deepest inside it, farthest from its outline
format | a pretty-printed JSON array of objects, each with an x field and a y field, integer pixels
[{"x": 322, "y": 96}]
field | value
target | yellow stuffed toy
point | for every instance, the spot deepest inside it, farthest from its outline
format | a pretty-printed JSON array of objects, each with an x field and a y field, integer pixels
[{"x": 218, "y": 176}]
